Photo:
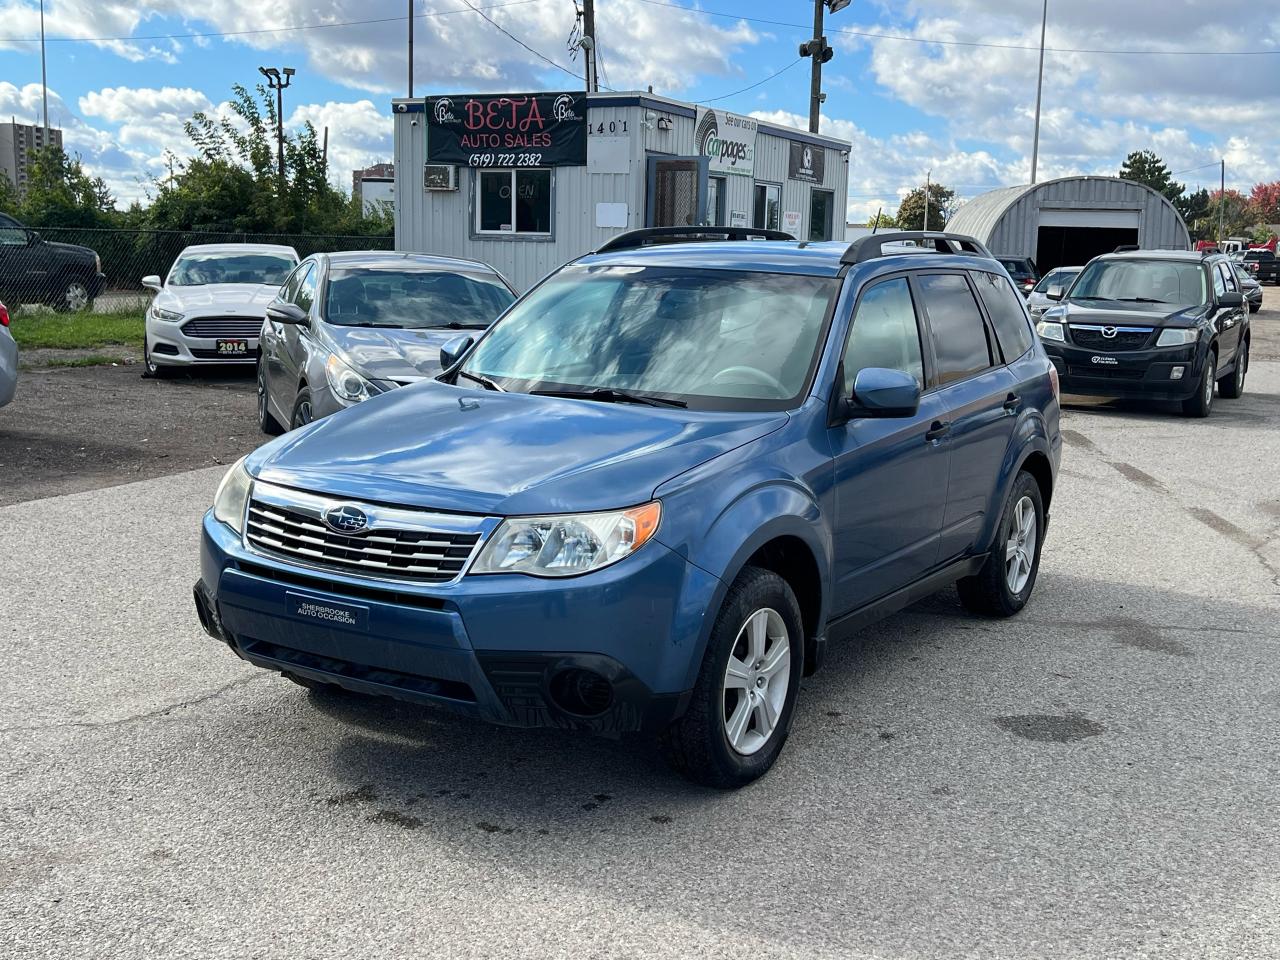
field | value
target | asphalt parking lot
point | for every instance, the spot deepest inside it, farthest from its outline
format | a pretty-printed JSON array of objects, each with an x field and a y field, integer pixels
[{"x": 1097, "y": 777}]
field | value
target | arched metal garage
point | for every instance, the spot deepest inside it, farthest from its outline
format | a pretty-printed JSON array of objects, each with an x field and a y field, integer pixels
[{"x": 1068, "y": 222}]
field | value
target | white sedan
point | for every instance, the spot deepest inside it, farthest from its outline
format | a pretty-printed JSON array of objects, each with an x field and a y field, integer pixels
[{"x": 210, "y": 308}]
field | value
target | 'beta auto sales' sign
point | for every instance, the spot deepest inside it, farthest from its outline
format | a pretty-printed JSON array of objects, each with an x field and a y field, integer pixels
[{"x": 512, "y": 130}]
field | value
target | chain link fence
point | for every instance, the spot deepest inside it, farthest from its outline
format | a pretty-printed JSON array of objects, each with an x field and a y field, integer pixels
[{"x": 84, "y": 268}]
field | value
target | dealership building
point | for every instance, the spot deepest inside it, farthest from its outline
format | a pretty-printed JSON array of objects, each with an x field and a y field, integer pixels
[
  {"x": 1068, "y": 222},
  {"x": 526, "y": 182}
]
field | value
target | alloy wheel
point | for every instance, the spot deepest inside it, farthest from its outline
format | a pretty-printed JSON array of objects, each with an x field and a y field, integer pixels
[
  {"x": 1208, "y": 384},
  {"x": 756, "y": 680},
  {"x": 302, "y": 416},
  {"x": 76, "y": 297},
  {"x": 1020, "y": 550},
  {"x": 1242, "y": 367},
  {"x": 262, "y": 396}
]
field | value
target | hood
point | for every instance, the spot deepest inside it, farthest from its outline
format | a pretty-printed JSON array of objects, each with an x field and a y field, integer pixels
[
  {"x": 73, "y": 249},
  {"x": 1121, "y": 314},
  {"x": 391, "y": 353},
  {"x": 454, "y": 449},
  {"x": 251, "y": 299}
]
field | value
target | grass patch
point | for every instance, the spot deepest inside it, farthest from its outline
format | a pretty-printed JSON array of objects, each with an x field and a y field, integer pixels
[
  {"x": 88, "y": 360},
  {"x": 78, "y": 331}
]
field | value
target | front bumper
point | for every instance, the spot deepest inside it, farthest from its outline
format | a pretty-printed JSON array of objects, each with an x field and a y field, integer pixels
[
  {"x": 496, "y": 648},
  {"x": 96, "y": 284},
  {"x": 1127, "y": 373},
  {"x": 176, "y": 349}
]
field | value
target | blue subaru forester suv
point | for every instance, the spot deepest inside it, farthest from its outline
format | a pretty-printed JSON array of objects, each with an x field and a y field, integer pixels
[{"x": 644, "y": 499}]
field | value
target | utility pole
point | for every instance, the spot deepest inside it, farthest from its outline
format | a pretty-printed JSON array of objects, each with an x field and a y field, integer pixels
[
  {"x": 1222, "y": 204},
  {"x": 821, "y": 53},
  {"x": 589, "y": 44},
  {"x": 1035, "y": 143},
  {"x": 324, "y": 156},
  {"x": 928, "y": 183},
  {"x": 411, "y": 49},
  {"x": 278, "y": 83},
  {"x": 44, "y": 80}
]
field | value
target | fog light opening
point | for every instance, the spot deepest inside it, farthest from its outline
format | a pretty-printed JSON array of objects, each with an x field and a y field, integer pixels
[
  {"x": 581, "y": 693},
  {"x": 1176, "y": 373}
]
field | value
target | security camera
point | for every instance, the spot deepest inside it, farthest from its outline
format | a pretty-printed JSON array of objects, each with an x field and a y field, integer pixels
[
  {"x": 402, "y": 107},
  {"x": 650, "y": 116},
  {"x": 413, "y": 122}
]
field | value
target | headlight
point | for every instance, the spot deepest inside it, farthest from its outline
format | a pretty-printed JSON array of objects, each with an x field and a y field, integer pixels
[
  {"x": 344, "y": 382},
  {"x": 233, "y": 493},
  {"x": 1050, "y": 330},
  {"x": 169, "y": 315},
  {"x": 97, "y": 263},
  {"x": 1176, "y": 338},
  {"x": 567, "y": 545}
]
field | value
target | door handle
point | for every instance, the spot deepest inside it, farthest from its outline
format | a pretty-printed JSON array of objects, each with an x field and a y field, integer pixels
[
  {"x": 937, "y": 430},
  {"x": 1012, "y": 402}
]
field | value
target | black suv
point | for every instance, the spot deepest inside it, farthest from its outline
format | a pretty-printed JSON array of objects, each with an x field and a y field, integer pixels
[
  {"x": 1162, "y": 324},
  {"x": 1022, "y": 271},
  {"x": 34, "y": 270}
]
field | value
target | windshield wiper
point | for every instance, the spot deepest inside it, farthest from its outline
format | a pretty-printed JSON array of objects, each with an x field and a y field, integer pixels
[
  {"x": 481, "y": 379},
  {"x": 610, "y": 395},
  {"x": 1142, "y": 300},
  {"x": 456, "y": 325}
]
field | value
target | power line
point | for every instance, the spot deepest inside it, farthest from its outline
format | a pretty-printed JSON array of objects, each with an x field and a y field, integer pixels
[
  {"x": 1178, "y": 173},
  {"x": 726, "y": 96},
  {"x": 866, "y": 34},
  {"x": 248, "y": 33},
  {"x": 541, "y": 56}
]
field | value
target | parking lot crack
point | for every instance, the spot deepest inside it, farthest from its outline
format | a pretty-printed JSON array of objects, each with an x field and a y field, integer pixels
[{"x": 158, "y": 713}]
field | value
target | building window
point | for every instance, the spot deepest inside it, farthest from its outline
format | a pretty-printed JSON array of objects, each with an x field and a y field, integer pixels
[
  {"x": 716, "y": 191},
  {"x": 513, "y": 202},
  {"x": 821, "y": 207},
  {"x": 767, "y": 214}
]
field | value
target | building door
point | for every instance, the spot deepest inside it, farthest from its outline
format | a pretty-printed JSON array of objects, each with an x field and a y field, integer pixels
[
  {"x": 821, "y": 207},
  {"x": 676, "y": 195}
]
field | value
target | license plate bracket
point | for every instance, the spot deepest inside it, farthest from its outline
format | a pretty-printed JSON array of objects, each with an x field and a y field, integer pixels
[{"x": 232, "y": 348}]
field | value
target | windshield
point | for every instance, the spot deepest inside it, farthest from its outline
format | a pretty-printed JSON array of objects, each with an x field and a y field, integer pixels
[
  {"x": 1016, "y": 267},
  {"x": 1056, "y": 278},
  {"x": 1143, "y": 281},
  {"x": 718, "y": 339},
  {"x": 398, "y": 295},
  {"x": 199, "y": 269}
]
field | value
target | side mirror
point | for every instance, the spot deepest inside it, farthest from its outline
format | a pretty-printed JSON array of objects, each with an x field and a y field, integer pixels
[
  {"x": 32, "y": 237},
  {"x": 880, "y": 392},
  {"x": 1231, "y": 299},
  {"x": 453, "y": 350},
  {"x": 289, "y": 313},
  {"x": 152, "y": 282},
  {"x": 1055, "y": 292}
]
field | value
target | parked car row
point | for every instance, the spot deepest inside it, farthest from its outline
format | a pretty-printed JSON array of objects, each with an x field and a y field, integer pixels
[{"x": 63, "y": 276}]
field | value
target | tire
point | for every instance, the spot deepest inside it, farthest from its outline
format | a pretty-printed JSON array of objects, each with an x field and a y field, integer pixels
[
  {"x": 266, "y": 420},
  {"x": 995, "y": 590},
  {"x": 1231, "y": 387},
  {"x": 1255, "y": 307},
  {"x": 150, "y": 369},
  {"x": 1200, "y": 404},
  {"x": 699, "y": 745},
  {"x": 74, "y": 298},
  {"x": 301, "y": 415}
]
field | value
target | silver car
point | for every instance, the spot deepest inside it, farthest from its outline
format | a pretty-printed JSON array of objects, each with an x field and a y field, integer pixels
[
  {"x": 1038, "y": 299},
  {"x": 8, "y": 359}
]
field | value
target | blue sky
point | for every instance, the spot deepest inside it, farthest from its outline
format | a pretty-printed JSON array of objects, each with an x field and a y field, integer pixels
[{"x": 908, "y": 105}]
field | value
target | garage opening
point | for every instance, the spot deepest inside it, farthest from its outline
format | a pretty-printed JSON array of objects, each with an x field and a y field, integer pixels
[{"x": 1076, "y": 246}]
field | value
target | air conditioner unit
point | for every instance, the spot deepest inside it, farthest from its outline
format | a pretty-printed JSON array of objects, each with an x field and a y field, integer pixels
[{"x": 439, "y": 176}]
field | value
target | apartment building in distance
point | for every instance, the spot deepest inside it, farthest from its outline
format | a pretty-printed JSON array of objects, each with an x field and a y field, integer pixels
[{"x": 17, "y": 142}]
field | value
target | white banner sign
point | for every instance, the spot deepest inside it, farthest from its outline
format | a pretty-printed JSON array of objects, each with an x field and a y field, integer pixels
[
  {"x": 791, "y": 223},
  {"x": 728, "y": 141}
]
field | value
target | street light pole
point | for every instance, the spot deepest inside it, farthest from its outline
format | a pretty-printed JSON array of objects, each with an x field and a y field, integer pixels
[
  {"x": 1035, "y": 144},
  {"x": 278, "y": 83},
  {"x": 44, "y": 80},
  {"x": 410, "y": 49},
  {"x": 821, "y": 53}
]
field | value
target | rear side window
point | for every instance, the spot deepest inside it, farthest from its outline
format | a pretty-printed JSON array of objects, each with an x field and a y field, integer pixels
[
  {"x": 955, "y": 325},
  {"x": 1004, "y": 307},
  {"x": 884, "y": 334}
]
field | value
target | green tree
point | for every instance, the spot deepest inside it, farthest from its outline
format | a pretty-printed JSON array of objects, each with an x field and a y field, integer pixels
[
  {"x": 1194, "y": 208},
  {"x": 8, "y": 196},
  {"x": 1234, "y": 211},
  {"x": 940, "y": 202},
  {"x": 60, "y": 193},
  {"x": 1145, "y": 167}
]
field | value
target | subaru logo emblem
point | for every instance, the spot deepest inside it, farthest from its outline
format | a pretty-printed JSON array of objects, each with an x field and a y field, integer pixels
[
  {"x": 1109, "y": 332},
  {"x": 346, "y": 519}
]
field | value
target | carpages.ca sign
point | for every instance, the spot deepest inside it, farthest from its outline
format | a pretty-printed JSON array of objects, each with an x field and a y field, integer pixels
[{"x": 727, "y": 140}]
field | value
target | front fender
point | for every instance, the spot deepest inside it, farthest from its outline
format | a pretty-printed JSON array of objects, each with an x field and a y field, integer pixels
[{"x": 742, "y": 523}]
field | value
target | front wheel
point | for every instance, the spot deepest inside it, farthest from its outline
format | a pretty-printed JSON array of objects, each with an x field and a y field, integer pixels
[
  {"x": 1232, "y": 386},
  {"x": 150, "y": 369},
  {"x": 303, "y": 412},
  {"x": 266, "y": 420},
  {"x": 1200, "y": 404},
  {"x": 745, "y": 696},
  {"x": 74, "y": 298},
  {"x": 1004, "y": 584}
]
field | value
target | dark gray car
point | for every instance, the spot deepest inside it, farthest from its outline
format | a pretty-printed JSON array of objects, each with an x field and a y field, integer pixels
[{"x": 349, "y": 326}]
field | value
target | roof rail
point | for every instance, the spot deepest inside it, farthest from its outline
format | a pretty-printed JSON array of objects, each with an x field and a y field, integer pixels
[
  {"x": 869, "y": 247},
  {"x": 649, "y": 236},
  {"x": 1126, "y": 248}
]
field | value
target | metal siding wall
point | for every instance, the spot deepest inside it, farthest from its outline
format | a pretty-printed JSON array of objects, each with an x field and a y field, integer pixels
[{"x": 440, "y": 222}]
